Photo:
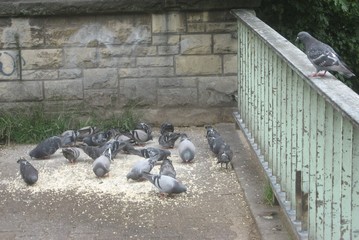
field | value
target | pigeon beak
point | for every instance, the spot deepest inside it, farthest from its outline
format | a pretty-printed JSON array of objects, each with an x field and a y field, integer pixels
[{"x": 297, "y": 39}]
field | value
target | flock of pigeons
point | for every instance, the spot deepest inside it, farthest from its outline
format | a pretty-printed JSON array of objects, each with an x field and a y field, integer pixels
[{"x": 103, "y": 146}]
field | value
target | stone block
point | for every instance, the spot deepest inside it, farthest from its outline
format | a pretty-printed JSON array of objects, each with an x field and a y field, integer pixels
[
  {"x": 64, "y": 106},
  {"x": 178, "y": 82},
  {"x": 196, "y": 44},
  {"x": 196, "y": 27},
  {"x": 165, "y": 39},
  {"x": 115, "y": 62},
  {"x": 41, "y": 59},
  {"x": 168, "y": 22},
  {"x": 9, "y": 65},
  {"x": 116, "y": 51},
  {"x": 20, "y": 91},
  {"x": 224, "y": 43},
  {"x": 71, "y": 73},
  {"x": 63, "y": 89},
  {"x": 140, "y": 90},
  {"x": 198, "y": 65},
  {"x": 217, "y": 91},
  {"x": 154, "y": 61},
  {"x": 168, "y": 50},
  {"x": 142, "y": 50},
  {"x": 104, "y": 98},
  {"x": 145, "y": 72},
  {"x": 178, "y": 97},
  {"x": 80, "y": 57},
  {"x": 40, "y": 74},
  {"x": 28, "y": 32},
  {"x": 100, "y": 78},
  {"x": 230, "y": 64},
  {"x": 221, "y": 27}
]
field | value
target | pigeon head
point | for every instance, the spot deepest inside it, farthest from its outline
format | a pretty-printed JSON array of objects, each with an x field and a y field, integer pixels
[{"x": 303, "y": 36}]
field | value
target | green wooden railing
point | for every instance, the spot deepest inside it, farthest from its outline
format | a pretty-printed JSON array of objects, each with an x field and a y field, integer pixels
[{"x": 304, "y": 130}]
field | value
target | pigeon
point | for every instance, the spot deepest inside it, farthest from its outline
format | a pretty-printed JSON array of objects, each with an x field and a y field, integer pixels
[
  {"x": 92, "y": 151},
  {"x": 211, "y": 132},
  {"x": 143, "y": 165},
  {"x": 28, "y": 172},
  {"x": 96, "y": 139},
  {"x": 186, "y": 149},
  {"x": 322, "y": 56},
  {"x": 215, "y": 143},
  {"x": 46, "y": 148},
  {"x": 129, "y": 149},
  {"x": 71, "y": 154},
  {"x": 101, "y": 166},
  {"x": 167, "y": 168},
  {"x": 140, "y": 136},
  {"x": 145, "y": 127},
  {"x": 166, "y": 127},
  {"x": 165, "y": 184},
  {"x": 68, "y": 138},
  {"x": 168, "y": 139},
  {"x": 115, "y": 145},
  {"x": 85, "y": 131},
  {"x": 155, "y": 153},
  {"x": 225, "y": 155}
]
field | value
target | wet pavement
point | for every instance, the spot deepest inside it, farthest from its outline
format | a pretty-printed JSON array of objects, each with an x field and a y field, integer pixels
[{"x": 70, "y": 202}]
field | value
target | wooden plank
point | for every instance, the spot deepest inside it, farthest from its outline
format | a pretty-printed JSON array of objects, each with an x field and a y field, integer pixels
[
  {"x": 320, "y": 168},
  {"x": 328, "y": 170},
  {"x": 355, "y": 186},
  {"x": 346, "y": 199},
  {"x": 337, "y": 179},
  {"x": 313, "y": 164},
  {"x": 282, "y": 126}
]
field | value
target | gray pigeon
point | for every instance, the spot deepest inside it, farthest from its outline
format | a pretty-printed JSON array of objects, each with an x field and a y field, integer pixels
[
  {"x": 46, "y": 148},
  {"x": 92, "y": 151},
  {"x": 167, "y": 168},
  {"x": 28, "y": 173},
  {"x": 186, "y": 149},
  {"x": 225, "y": 155},
  {"x": 140, "y": 136},
  {"x": 71, "y": 154},
  {"x": 168, "y": 139},
  {"x": 96, "y": 139},
  {"x": 322, "y": 56},
  {"x": 129, "y": 149},
  {"x": 166, "y": 127},
  {"x": 101, "y": 166},
  {"x": 145, "y": 127},
  {"x": 143, "y": 165},
  {"x": 85, "y": 131},
  {"x": 68, "y": 138},
  {"x": 165, "y": 184},
  {"x": 155, "y": 153}
]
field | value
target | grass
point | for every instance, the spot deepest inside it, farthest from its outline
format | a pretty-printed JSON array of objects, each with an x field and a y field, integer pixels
[
  {"x": 268, "y": 195},
  {"x": 35, "y": 125}
]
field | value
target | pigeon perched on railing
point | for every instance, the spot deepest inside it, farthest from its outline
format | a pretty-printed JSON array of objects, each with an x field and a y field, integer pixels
[
  {"x": 165, "y": 184},
  {"x": 143, "y": 165},
  {"x": 186, "y": 149},
  {"x": 71, "y": 154},
  {"x": 46, "y": 148},
  {"x": 155, "y": 153},
  {"x": 28, "y": 172},
  {"x": 168, "y": 139},
  {"x": 167, "y": 168},
  {"x": 101, "y": 165},
  {"x": 322, "y": 56}
]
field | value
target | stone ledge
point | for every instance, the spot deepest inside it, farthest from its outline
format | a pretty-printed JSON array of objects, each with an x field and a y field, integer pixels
[{"x": 12, "y": 8}]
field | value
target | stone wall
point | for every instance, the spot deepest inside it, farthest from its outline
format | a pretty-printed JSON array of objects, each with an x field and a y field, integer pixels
[{"x": 178, "y": 66}]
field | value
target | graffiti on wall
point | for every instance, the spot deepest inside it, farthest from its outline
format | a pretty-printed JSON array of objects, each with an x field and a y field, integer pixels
[{"x": 9, "y": 64}]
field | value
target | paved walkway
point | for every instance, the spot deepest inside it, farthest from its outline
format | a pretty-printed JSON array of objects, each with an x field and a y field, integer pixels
[{"x": 69, "y": 202}]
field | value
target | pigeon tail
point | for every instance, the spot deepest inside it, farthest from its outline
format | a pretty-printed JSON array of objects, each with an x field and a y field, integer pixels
[{"x": 187, "y": 155}]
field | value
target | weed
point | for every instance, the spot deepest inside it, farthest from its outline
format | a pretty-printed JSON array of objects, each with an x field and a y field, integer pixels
[{"x": 268, "y": 195}]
